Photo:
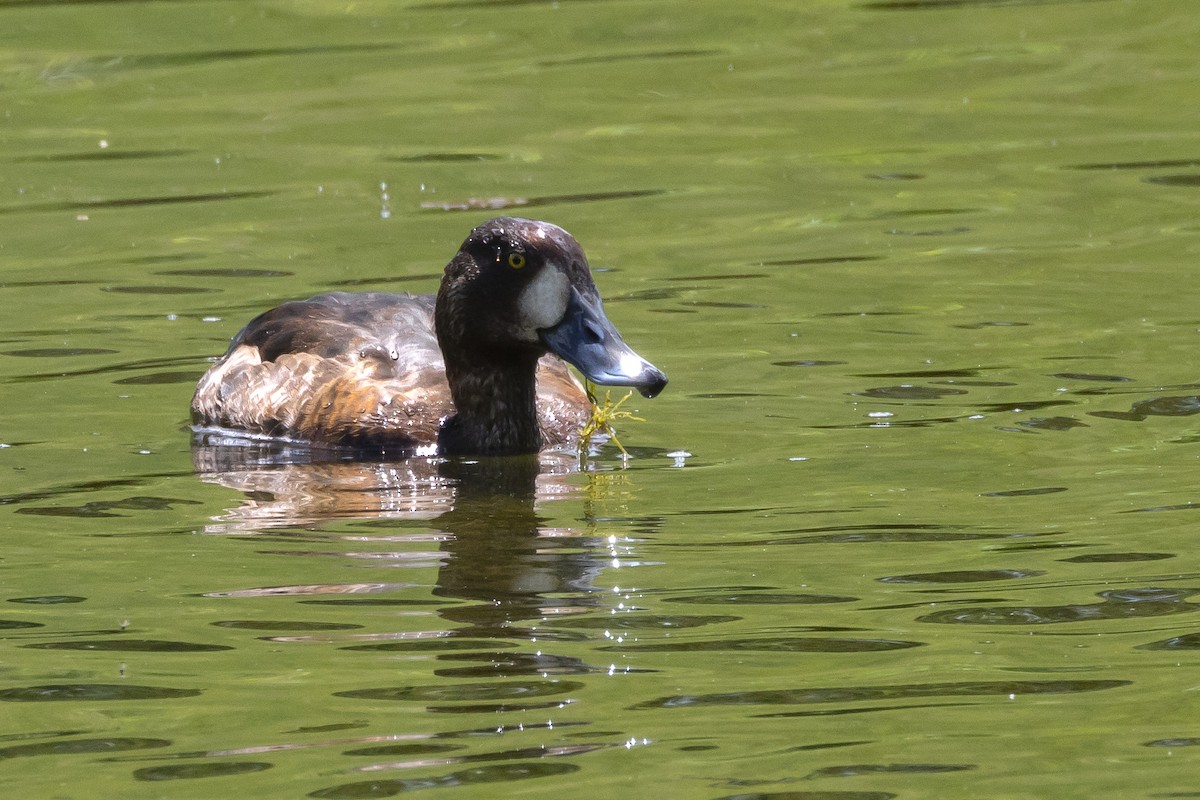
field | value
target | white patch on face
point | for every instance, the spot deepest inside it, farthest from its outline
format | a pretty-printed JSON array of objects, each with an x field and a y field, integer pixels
[{"x": 544, "y": 301}]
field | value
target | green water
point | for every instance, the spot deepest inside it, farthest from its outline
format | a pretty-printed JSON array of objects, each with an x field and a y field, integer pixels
[{"x": 913, "y": 518}]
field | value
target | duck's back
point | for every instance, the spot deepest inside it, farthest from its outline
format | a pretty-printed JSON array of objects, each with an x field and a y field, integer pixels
[{"x": 357, "y": 370}]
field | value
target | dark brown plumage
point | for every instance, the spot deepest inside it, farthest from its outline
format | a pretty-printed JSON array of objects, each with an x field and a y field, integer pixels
[{"x": 394, "y": 372}]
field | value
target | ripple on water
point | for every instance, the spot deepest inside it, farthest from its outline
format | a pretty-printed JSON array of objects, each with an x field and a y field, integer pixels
[
  {"x": 1152, "y": 509},
  {"x": 109, "y": 508},
  {"x": 1090, "y": 376},
  {"x": 210, "y": 769},
  {"x": 112, "y": 744},
  {"x": 444, "y": 157},
  {"x": 761, "y": 598},
  {"x": 770, "y": 644},
  {"x": 102, "y": 155},
  {"x": 160, "y": 378},
  {"x": 500, "y": 203},
  {"x": 403, "y": 750},
  {"x": 491, "y": 690},
  {"x": 1025, "y": 492},
  {"x": 645, "y": 55},
  {"x": 92, "y": 691},
  {"x": 1128, "y": 165},
  {"x": 874, "y": 534},
  {"x": 963, "y": 576},
  {"x": 48, "y": 599},
  {"x": 971, "y": 326},
  {"x": 226, "y": 272},
  {"x": 856, "y": 770},
  {"x": 1116, "y": 558},
  {"x": 1189, "y": 641},
  {"x": 130, "y": 646},
  {"x": 1031, "y": 405},
  {"x": 137, "y": 365},
  {"x": 924, "y": 373},
  {"x": 508, "y": 665},
  {"x": 908, "y": 391},
  {"x": 801, "y": 262},
  {"x": 858, "y": 694},
  {"x": 803, "y": 362},
  {"x": 163, "y": 290},
  {"x": 1179, "y": 406},
  {"x": 642, "y": 622},
  {"x": 492, "y": 773},
  {"x": 437, "y": 645},
  {"x": 285, "y": 625},
  {"x": 809, "y": 796},
  {"x": 1190, "y": 181},
  {"x": 1121, "y": 604},
  {"x": 59, "y": 352},
  {"x": 133, "y": 202},
  {"x": 1045, "y": 424}
]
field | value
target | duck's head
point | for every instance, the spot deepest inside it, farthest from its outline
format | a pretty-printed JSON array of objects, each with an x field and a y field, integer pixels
[{"x": 520, "y": 287}]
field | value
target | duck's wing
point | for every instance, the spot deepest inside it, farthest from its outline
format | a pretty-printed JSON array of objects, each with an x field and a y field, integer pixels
[
  {"x": 342, "y": 325},
  {"x": 358, "y": 370}
]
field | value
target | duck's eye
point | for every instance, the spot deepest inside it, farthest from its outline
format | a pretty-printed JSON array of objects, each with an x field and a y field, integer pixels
[{"x": 516, "y": 260}]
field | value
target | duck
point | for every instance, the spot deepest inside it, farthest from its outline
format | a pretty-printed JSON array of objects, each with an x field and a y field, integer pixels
[{"x": 479, "y": 369}]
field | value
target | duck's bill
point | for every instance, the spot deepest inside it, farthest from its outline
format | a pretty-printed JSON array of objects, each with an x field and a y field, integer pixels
[{"x": 586, "y": 339}]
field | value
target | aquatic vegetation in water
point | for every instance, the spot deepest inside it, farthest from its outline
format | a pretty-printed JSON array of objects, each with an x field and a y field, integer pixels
[{"x": 602, "y": 416}]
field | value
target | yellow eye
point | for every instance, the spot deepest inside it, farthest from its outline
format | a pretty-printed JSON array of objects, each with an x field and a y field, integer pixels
[{"x": 516, "y": 260}]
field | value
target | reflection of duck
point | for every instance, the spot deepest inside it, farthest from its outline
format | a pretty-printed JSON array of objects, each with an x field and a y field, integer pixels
[
  {"x": 493, "y": 547},
  {"x": 288, "y": 486},
  {"x": 365, "y": 371}
]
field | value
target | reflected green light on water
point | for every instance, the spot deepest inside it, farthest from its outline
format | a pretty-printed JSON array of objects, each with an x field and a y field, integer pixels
[{"x": 913, "y": 517}]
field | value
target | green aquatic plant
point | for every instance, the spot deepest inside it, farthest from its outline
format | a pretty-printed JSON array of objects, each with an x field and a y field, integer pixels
[{"x": 602, "y": 416}]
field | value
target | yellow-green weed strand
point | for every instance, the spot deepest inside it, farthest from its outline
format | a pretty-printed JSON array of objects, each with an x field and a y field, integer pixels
[{"x": 602, "y": 417}]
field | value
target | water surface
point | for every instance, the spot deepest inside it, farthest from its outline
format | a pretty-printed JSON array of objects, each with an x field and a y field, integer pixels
[{"x": 913, "y": 518}]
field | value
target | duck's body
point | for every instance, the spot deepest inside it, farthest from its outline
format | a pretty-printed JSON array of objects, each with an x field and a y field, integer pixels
[
  {"x": 468, "y": 371},
  {"x": 356, "y": 370}
]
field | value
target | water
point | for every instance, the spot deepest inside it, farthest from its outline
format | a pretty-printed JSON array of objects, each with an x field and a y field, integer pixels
[{"x": 913, "y": 518}]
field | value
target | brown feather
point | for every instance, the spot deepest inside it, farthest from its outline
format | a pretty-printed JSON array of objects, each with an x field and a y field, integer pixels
[{"x": 344, "y": 387}]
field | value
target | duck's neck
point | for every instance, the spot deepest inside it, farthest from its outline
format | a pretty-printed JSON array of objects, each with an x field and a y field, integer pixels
[{"x": 495, "y": 405}]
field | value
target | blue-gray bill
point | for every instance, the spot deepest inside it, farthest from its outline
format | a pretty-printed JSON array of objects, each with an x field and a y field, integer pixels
[{"x": 587, "y": 339}]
